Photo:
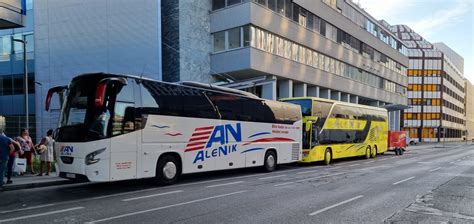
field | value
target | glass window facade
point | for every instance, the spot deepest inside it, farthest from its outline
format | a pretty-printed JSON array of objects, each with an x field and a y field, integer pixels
[
  {"x": 312, "y": 22},
  {"x": 13, "y": 84},
  {"x": 271, "y": 43}
]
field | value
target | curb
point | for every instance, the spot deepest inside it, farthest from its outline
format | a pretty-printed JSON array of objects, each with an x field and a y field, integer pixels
[{"x": 36, "y": 185}]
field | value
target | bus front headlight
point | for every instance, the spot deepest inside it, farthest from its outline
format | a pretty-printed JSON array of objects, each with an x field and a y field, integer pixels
[{"x": 90, "y": 158}]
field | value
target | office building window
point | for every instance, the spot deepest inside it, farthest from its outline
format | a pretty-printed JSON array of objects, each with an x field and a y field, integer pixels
[
  {"x": 218, "y": 4},
  {"x": 219, "y": 41},
  {"x": 288, "y": 9},
  {"x": 302, "y": 17},
  {"x": 234, "y": 38},
  {"x": 233, "y": 2},
  {"x": 272, "y": 5}
]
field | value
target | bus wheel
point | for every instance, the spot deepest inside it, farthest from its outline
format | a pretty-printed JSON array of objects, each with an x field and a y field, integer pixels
[
  {"x": 327, "y": 157},
  {"x": 396, "y": 151},
  {"x": 168, "y": 170},
  {"x": 374, "y": 151},
  {"x": 270, "y": 162},
  {"x": 368, "y": 153}
]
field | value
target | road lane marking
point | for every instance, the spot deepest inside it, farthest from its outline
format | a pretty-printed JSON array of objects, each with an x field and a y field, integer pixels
[
  {"x": 266, "y": 178},
  {"x": 286, "y": 183},
  {"x": 165, "y": 207},
  {"x": 335, "y": 205},
  {"x": 398, "y": 182},
  {"x": 357, "y": 164},
  {"x": 432, "y": 170},
  {"x": 39, "y": 215},
  {"x": 424, "y": 162},
  {"x": 152, "y": 195},
  {"x": 369, "y": 162},
  {"x": 382, "y": 159},
  {"x": 26, "y": 208},
  {"x": 225, "y": 184}
]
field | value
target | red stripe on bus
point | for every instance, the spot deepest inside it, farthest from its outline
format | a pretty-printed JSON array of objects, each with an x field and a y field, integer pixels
[
  {"x": 202, "y": 133},
  {"x": 271, "y": 140},
  {"x": 195, "y": 144},
  {"x": 194, "y": 149},
  {"x": 198, "y": 138},
  {"x": 204, "y": 128}
]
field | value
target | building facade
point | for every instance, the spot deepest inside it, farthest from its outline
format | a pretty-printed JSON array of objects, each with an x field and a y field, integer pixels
[
  {"x": 12, "y": 86},
  {"x": 328, "y": 49},
  {"x": 13, "y": 13},
  {"x": 273, "y": 48},
  {"x": 436, "y": 89},
  {"x": 469, "y": 110}
]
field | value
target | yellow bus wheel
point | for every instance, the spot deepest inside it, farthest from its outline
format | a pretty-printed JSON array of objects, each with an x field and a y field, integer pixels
[
  {"x": 327, "y": 157},
  {"x": 368, "y": 153},
  {"x": 374, "y": 152}
]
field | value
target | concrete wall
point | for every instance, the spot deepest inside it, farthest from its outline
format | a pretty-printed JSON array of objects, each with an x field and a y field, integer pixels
[
  {"x": 74, "y": 37},
  {"x": 195, "y": 40},
  {"x": 470, "y": 109}
]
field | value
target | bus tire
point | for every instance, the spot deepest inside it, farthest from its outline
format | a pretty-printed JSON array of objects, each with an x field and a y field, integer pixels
[
  {"x": 368, "y": 153},
  {"x": 270, "y": 161},
  {"x": 374, "y": 151},
  {"x": 168, "y": 170},
  {"x": 401, "y": 151},
  {"x": 327, "y": 156}
]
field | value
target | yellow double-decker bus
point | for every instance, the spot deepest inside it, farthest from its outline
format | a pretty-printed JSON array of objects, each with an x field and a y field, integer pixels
[{"x": 335, "y": 130}]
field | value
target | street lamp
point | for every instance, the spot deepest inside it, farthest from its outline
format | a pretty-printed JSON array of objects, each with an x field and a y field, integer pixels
[{"x": 25, "y": 71}]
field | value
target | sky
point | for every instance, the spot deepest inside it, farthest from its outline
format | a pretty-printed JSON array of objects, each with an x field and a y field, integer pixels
[{"x": 448, "y": 21}]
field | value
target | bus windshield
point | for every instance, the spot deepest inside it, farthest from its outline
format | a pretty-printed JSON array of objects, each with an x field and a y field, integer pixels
[
  {"x": 80, "y": 120},
  {"x": 304, "y": 104}
]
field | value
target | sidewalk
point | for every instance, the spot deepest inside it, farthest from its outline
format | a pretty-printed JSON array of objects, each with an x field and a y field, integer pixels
[
  {"x": 33, "y": 181},
  {"x": 449, "y": 203}
]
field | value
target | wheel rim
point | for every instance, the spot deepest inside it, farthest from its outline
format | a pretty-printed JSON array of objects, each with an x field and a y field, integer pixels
[
  {"x": 270, "y": 161},
  {"x": 169, "y": 170},
  {"x": 367, "y": 153},
  {"x": 327, "y": 159}
]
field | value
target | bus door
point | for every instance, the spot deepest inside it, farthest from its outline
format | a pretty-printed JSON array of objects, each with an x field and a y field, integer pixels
[{"x": 124, "y": 131}]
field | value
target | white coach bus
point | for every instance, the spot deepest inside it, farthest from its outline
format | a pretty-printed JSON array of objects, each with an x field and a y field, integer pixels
[{"x": 117, "y": 127}]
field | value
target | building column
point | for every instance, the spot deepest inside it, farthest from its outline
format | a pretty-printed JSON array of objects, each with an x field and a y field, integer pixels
[
  {"x": 354, "y": 99},
  {"x": 286, "y": 88},
  {"x": 313, "y": 91},
  {"x": 269, "y": 91},
  {"x": 325, "y": 93},
  {"x": 300, "y": 90},
  {"x": 336, "y": 95},
  {"x": 345, "y": 97}
]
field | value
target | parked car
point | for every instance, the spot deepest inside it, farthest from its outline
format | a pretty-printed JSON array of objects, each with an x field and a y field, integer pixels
[{"x": 411, "y": 141}]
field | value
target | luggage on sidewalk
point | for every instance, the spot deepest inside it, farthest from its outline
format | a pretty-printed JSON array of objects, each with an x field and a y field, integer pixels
[{"x": 19, "y": 166}]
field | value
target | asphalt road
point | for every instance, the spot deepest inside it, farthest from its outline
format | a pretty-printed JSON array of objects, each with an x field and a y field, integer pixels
[{"x": 349, "y": 191}]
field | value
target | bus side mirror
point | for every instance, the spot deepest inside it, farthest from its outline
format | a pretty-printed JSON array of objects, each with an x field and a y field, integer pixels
[
  {"x": 58, "y": 89},
  {"x": 308, "y": 125}
]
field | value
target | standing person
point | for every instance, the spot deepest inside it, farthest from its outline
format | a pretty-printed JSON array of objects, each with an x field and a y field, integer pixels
[
  {"x": 11, "y": 160},
  {"x": 27, "y": 147},
  {"x": 6, "y": 148},
  {"x": 47, "y": 156}
]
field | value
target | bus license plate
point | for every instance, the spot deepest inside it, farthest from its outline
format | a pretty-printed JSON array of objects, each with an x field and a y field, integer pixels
[{"x": 70, "y": 175}]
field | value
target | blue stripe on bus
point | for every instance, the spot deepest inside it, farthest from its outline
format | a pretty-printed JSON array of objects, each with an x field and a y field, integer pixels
[
  {"x": 252, "y": 149},
  {"x": 258, "y": 134}
]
